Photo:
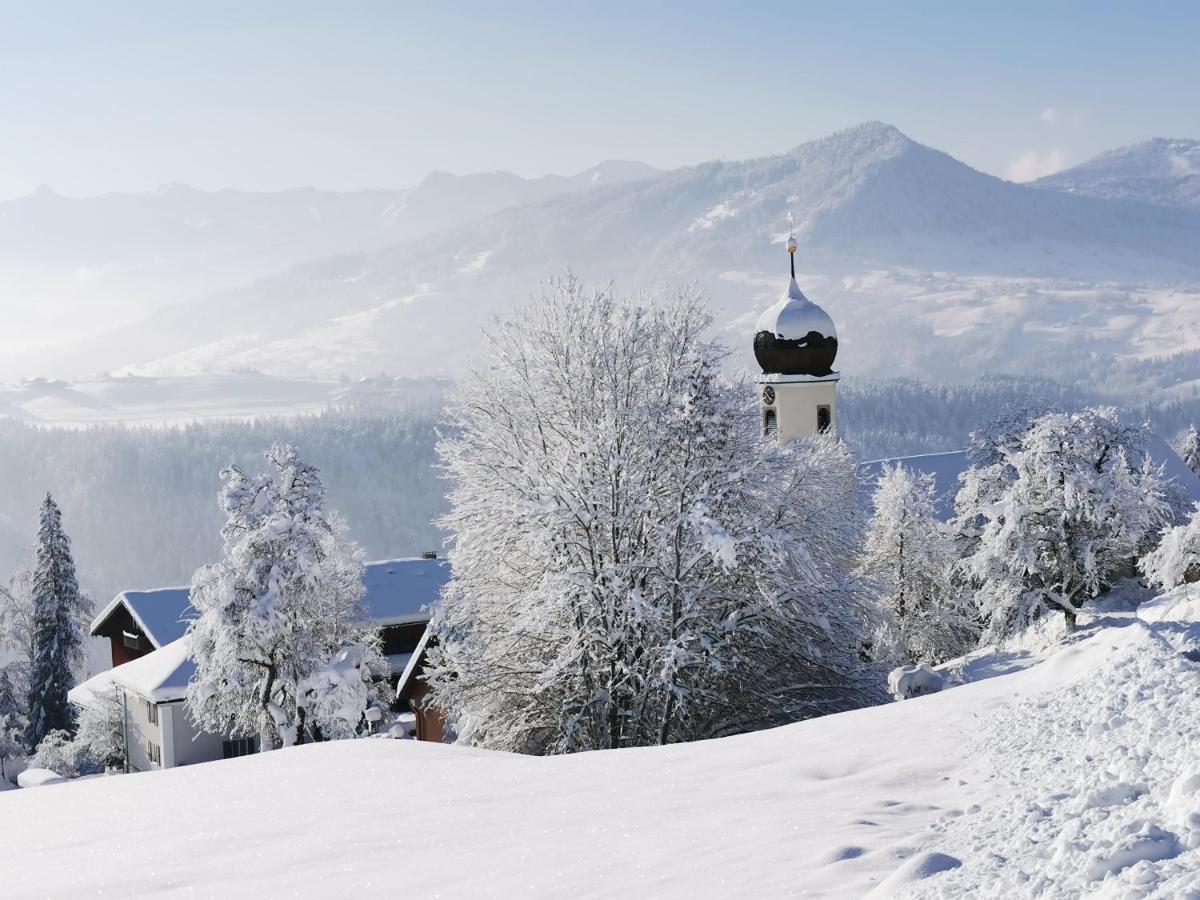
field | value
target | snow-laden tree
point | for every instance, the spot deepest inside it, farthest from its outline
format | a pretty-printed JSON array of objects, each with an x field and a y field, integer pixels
[
  {"x": 912, "y": 561},
  {"x": 632, "y": 564},
  {"x": 1176, "y": 559},
  {"x": 336, "y": 696},
  {"x": 1085, "y": 501},
  {"x": 990, "y": 449},
  {"x": 100, "y": 738},
  {"x": 1189, "y": 448},
  {"x": 10, "y": 702},
  {"x": 285, "y": 597},
  {"x": 59, "y": 610},
  {"x": 12, "y": 745},
  {"x": 57, "y": 752}
]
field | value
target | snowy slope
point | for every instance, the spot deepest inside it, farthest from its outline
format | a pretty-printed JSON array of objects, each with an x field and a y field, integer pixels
[
  {"x": 1163, "y": 171},
  {"x": 907, "y": 248},
  {"x": 1074, "y": 776}
]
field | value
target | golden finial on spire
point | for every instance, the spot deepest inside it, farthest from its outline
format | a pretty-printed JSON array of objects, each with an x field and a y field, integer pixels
[{"x": 791, "y": 242}]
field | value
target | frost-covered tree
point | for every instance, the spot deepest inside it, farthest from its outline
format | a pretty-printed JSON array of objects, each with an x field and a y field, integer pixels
[
  {"x": 1176, "y": 559},
  {"x": 12, "y": 745},
  {"x": 990, "y": 450},
  {"x": 1084, "y": 502},
  {"x": 632, "y": 564},
  {"x": 1189, "y": 448},
  {"x": 57, "y": 752},
  {"x": 286, "y": 596},
  {"x": 59, "y": 610},
  {"x": 335, "y": 697},
  {"x": 100, "y": 738},
  {"x": 907, "y": 555},
  {"x": 11, "y": 710}
]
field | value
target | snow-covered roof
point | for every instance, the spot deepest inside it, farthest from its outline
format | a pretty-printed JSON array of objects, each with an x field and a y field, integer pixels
[
  {"x": 161, "y": 676},
  {"x": 84, "y": 693},
  {"x": 795, "y": 316},
  {"x": 398, "y": 591},
  {"x": 414, "y": 663},
  {"x": 163, "y": 613},
  {"x": 404, "y": 590},
  {"x": 946, "y": 467}
]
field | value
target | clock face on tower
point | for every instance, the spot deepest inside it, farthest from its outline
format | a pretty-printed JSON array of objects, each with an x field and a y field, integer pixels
[{"x": 768, "y": 395}]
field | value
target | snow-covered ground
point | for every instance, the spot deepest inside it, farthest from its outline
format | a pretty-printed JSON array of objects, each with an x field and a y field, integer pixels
[{"x": 1068, "y": 773}]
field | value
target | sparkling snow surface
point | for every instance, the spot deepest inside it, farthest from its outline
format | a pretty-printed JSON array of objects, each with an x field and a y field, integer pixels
[{"x": 1077, "y": 775}]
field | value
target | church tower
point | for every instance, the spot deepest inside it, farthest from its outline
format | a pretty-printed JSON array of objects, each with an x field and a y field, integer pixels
[{"x": 795, "y": 343}]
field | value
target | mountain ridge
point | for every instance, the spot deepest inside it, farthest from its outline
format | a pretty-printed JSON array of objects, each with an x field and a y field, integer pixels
[
  {"x": 867, "y": 198},
  {"x": 1162, "y": 171}
]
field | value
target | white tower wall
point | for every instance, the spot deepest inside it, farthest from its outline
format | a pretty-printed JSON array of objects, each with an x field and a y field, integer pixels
[{"x": 798, "y": 405}]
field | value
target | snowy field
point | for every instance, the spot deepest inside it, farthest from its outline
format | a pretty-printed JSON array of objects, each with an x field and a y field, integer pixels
[{"x": 1073, "y": 773}]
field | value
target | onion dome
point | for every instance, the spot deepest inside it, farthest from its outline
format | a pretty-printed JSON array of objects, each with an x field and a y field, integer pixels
[{"x": 795, "y": 336}]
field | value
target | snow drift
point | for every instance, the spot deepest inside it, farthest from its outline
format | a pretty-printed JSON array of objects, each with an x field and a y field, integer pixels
[{"x": 1075, "y": 776}]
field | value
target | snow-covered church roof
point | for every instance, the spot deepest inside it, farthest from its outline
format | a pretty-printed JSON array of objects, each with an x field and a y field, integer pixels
[
  {"x": 398, "y": 591},
  {"x": 946, "y": 467}
]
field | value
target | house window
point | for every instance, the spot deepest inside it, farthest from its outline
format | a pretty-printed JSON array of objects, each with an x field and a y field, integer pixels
[
  {"x": 154, "y": 752},
  {"x": 824, "y": 418},
  {"x": 131, "y": 640},
  {"x": 238, "y": 747},
  {"x": 151, "y": 713},
  {"x": 770, "y": 425}
]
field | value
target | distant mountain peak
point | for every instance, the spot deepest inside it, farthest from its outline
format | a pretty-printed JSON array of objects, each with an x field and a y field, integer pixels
[{"x": 1162, "y": 171}]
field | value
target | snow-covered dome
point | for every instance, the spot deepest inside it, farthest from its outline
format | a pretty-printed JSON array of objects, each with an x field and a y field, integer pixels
[{"x": 795, "y": 336}]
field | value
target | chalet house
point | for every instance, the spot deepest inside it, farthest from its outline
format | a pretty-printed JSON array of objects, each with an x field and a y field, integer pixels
[
  {"x": 411, "y": 691},
  {"x": 153, "y": 665},
  {"x": 157, "y": 731}
]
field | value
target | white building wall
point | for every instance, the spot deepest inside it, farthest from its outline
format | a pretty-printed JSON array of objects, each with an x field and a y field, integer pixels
[
  {"x": 190, "y": 744},
  {"x": 796, "y": 403},
  {"x": 140, "y": 732}
]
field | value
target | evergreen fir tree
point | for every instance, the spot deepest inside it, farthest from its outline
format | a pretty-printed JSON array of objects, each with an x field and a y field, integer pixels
[
  {"x": 57, "y": 630},
  {"x": 9, "y": 704}
]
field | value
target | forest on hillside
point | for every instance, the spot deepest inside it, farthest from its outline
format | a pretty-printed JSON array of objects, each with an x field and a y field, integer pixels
[{"x": 140, "y": 503}]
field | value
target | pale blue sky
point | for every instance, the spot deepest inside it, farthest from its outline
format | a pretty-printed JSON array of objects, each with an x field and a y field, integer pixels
[{"x": 97, "y": 97}]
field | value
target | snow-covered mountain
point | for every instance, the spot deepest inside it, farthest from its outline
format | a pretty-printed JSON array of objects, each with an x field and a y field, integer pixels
[
  {"x": 928, "y": 266},
  {"x": 1164, "y": 171},
  {"x": 1065, "y": 773},
  {"x": 904, "y": 245},
  {"x": 77, "y": 265}
]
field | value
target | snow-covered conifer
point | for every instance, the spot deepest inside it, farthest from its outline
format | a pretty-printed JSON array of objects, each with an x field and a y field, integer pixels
[
  {"x": 10, "y": 703},
  {"x": 912, "y": 561},
  {"x": 632, "y": 564},
  {"x": 1176, "y": 559},
  {"x": 1086, "y": 500},
  {"x": 1189, "y": 449},
  {"x": 286, "y": 596},
  {"x": 12, "y": 745},
  {"x": 57, "y": 635}
]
